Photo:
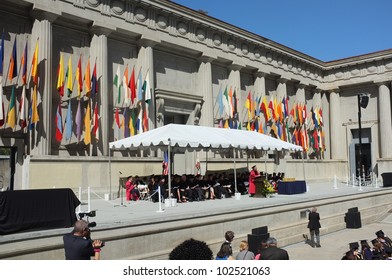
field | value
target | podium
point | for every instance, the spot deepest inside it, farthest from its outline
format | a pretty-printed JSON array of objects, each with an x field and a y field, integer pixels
[{"x": 259, "y": 182}]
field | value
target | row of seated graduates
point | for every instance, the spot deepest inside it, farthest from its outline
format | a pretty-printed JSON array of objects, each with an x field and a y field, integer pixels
[
  {"x": 189, "y": 187},
  {"x": 274, "y": 178}
]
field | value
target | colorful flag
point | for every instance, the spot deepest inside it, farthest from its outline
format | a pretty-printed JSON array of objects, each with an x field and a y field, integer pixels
[
  {"x": 165, "y": 163},
  {"x": 117, "y": 84},
  {"x": 68, "y": 122},
  {"x": 87, "y": 124},
  {"x": 132, "y": 86},
  {"x": 117, "y": 118},
  {"x": 59, "y": 124},
  {"x": 94, "y": 82},
  {"x": 226, "y": 125},
  {"x": 248, "y": 104},
  {"x": 96, "y": 122},
  {"x": 320, "y": 117},
  {"x": 34, "y": 116},
  {"x": 125, "y": 86},
  {"x": 78, "y": 121},
  {"x": 279, "y": 112},
  {"x": 2, "y": 54},
  {"x": 87, "y": 82},
  {"x": 1, "y": 102},
  {"x": 226, "y": 102},
  {"x": 272, "y": 107},
  {"x": 139, "y": 86},
  {"x": 235, "y": 105},
  {"x": 145, "y": 120},
  {"x": 34, "y": 65},
  {"x": 139, "y": 122},
  {"x": 79, "y": 78},
  {"x": 13, "y": 67},
  {"x": 11, "y": 116},
  {"x": 69, "y": 77},
  {"x": 60, "y": 76},
  {"x": 230, "y": 97},
  {"x": 264, "y": 108},
  {"x": 147, "y": 88},
  {"x": 24, "y": 65},
  {"x": 131, "y": 123},
  {"x": 220, "y": 125},
  {"x": 22, "y": 108}
]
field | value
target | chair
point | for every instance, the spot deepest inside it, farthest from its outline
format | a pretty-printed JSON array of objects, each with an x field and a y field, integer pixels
[{"x": 143, "y": 190}]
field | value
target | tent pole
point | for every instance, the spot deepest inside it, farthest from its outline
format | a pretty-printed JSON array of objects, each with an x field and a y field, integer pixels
[
  {"x": 265, "y": 163},
  {"x": 303, "y": 164},
  {"x": 235, "y": 172},
  {"x": 247, "y": 159},
  {"x": 206, "y": 162},
  {"x": 169, "y": 170},
  {"x": 110, "y": 175}
]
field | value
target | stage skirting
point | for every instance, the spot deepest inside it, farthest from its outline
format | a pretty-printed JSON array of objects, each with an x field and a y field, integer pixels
[
  {"x": 387, "y": 179},
  {"x": 28, "y": 210},
  {"x": 294, "y": 187}
]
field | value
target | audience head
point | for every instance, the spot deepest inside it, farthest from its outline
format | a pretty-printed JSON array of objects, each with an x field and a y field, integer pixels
[
  {"x": 314, "y": 209},
  {"x": 244, "y": 245},
  {"x": 380, "y": 234},
  {"x": 229, "y": 236},
  {"x": 191, "y": 249},
  {"x": 272, "y": 242},
  {"x": 81, "y": 228},
  {"x": 225, "y": 250}
]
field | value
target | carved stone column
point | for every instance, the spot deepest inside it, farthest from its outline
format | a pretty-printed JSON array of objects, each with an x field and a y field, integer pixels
[
  {"x": 99, "y": 56},
  {"x": 385, "y": 125},
  {"x": 205, "y": 80},
  {"x": 300, "y": 94},
  {"x": 259, "y": 84},
  {"x": 281, "y": 89},
  {"x": 42, "y": 31},
  {"x": 326, "y": 128},
  {"x": 235, "y": 81},
  {"x": 336, "y": 130}
]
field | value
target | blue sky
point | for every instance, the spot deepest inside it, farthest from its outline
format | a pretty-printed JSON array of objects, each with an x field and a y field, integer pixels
[{"x": 324, "y": 29}]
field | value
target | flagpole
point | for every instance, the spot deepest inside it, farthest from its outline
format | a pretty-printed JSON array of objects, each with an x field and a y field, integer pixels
[
  {"x": 235, "y": 172},
  {"x": 169, "y": 170},
  {"x": 110, "y": 174}
]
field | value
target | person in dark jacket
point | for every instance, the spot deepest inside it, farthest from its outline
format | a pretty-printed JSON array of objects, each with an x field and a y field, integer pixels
[
  {"x": 272, "y": 252},
  {"x": 314, "y": 227}
]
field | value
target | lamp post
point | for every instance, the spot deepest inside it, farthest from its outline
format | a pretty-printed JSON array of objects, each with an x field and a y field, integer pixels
[{"x": 363, "y": 101}]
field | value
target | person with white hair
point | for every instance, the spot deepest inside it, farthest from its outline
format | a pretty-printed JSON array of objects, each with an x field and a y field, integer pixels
[
  {"x": 272, "y": 252},
  {"x": 314, "y": 227}
]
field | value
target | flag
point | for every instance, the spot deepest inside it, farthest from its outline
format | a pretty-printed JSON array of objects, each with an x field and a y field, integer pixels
[
  {"x": 220, "y": 125},
  {"x": 279, "y": 112},
  {"x": 96, "y": 122},
  {"x": 248, "y": 126},
  {"x": 145, "y": 120},
  {"x": 261, "y": 130},
  {"x": 165, "y": 163},
  {"x": 256, "y": 125},
  {"x": 68, "y": 122},
  {"x": 248, "y": 104},
  {"x": 117, "y": 84},
  {"x": 34, "y": 116},
  {"x": 139, "y": 86},
  {"x": 2, "y": 54},
  {"x": 78, "y": 121},
  {"x": 235, "y": 106},
  {"x": 139, "y": 122},
  {"x": 59, "y": 124},
  {"x": 117, "y": 118},
  {"x": 271, "y": 106},
  {"x": 131, "y": 123},
  {"x": 22, "y": 108},
  {"x": 69, "y": 77},
  {"x": 13, "y": 67},
  {"x": 79, "y": 78},
  {"x": 230, "y": 97},
  {"x": 1, "y": 102},
  {"x": 300, "y": 115},
  {"x": 320, "y": 117},
  {"x": 60, "y": 76},
  {"x": 147, "y": 88},
  {"x": 11, "y": 116},
  {"x": 226, "y": 125},
  {"x": 87, "y": 124},
  {"x": 315, "y": 139},
  {"x": 24, "y": 65},
  {"x": 94, "y": 82},
  {"x": 226, "y": 102},
  {"x": 220, "y": 101},
  {"x": 264, "y": 108},
  {"x": 87, "y": 82},
  {"x": 286, "y": 107},
  {"x": 125, "y": 86},
  {"x": 34, "y": 65},
  {"x": 313, "y": 112},
  {"x": 132, "y": 86}
]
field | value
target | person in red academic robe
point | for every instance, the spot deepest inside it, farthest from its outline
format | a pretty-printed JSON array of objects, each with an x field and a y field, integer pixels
[
  {"x": 254, "y": 174},
  {"x": 131, "y": 192}
]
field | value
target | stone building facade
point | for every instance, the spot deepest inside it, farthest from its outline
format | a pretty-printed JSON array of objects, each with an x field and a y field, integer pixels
[{"x": 189, "y": 59}]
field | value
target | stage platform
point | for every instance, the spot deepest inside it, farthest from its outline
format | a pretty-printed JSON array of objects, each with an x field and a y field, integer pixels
[{"x": 121, "y": 222}]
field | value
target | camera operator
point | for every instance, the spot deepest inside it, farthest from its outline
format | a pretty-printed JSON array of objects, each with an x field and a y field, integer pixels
[{"x": 79, "y": 246}]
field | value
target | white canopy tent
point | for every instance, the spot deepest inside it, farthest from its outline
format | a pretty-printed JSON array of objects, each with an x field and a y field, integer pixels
[{"x": 195, "y": 138}]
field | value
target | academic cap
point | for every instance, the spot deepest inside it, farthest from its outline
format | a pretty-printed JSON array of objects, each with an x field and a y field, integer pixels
[
  {"x": 380, "y": 233},
  {"x": 253, "y": 167},
  {"x": 375, "y": 241},
  {"x": 354, "y": 245}
]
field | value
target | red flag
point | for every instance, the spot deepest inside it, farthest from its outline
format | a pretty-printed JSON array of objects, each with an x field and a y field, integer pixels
[
  {"x": 13, "y": 69},
  {"x": 79, "y": 77},
  {"x": 145, "y": 121},
  {"x": 34, "y": 65},
  {"x": 132, "y": 86},
  {"x": 24, "y": 65},
  {"x": 271, "y": 106},
  {"x": 96, "y": 121},
  {"x": 117, "y": 118},
  {"x": 59, "y": 124}
]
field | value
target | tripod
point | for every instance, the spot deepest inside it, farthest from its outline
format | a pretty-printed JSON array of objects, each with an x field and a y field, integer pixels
[{"x": 121, "y": 191}]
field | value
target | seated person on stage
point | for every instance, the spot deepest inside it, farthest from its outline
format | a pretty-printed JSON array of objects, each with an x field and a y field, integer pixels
[
  {"x": 185, "y": 191},
  {"x": 195, "y": 188},
  {"x": 131, "y": 190},
  {"x": 226, "y": 186},
  {"x": 241, "y": 187},
  {"x": 156, "y": 184},
  {"x": 176, "y": 188},
  {"x": 207, "y": 189},
  {"x": 217, "y": 189}
]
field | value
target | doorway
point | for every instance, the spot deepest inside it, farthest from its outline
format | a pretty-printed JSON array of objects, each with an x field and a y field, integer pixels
[{"x": 356, "y": 166}]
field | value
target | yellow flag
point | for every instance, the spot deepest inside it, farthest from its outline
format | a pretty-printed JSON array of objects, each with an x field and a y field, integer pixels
[
  {"x": 69, "y": 76},
  {"x": 87, "y": 125}
]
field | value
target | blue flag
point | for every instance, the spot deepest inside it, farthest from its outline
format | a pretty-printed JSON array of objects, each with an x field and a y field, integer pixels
[{"x": 68, "y": 122}]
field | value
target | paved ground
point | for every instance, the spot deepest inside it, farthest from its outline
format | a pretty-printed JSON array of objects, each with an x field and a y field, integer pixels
[{"x": 118, "y": 212}]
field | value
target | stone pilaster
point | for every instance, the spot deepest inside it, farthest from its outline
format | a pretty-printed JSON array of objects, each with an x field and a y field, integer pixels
[
  {"x": 235, "y": 82},
  {"x": 205, "y": 81},
  {"x": 300, "y": 94},
  {"x": 281, "y": 89},
  {"x": 146, "y": 62},
  {"x": 41, "y": 137},
  {"x": 259, "y": 84},
  {"x": 99, "y": 57},
  {"x": 337, "y": 139},
  {"x": 385, "y": 125},
  {"x": 326, "y": 124}
]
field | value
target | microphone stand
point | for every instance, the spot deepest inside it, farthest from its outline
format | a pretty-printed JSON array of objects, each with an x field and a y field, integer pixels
[{"x": 121, "y": 192}]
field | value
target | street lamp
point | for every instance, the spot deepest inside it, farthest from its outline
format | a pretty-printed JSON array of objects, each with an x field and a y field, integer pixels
[{"x": 363, "y": 101}]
